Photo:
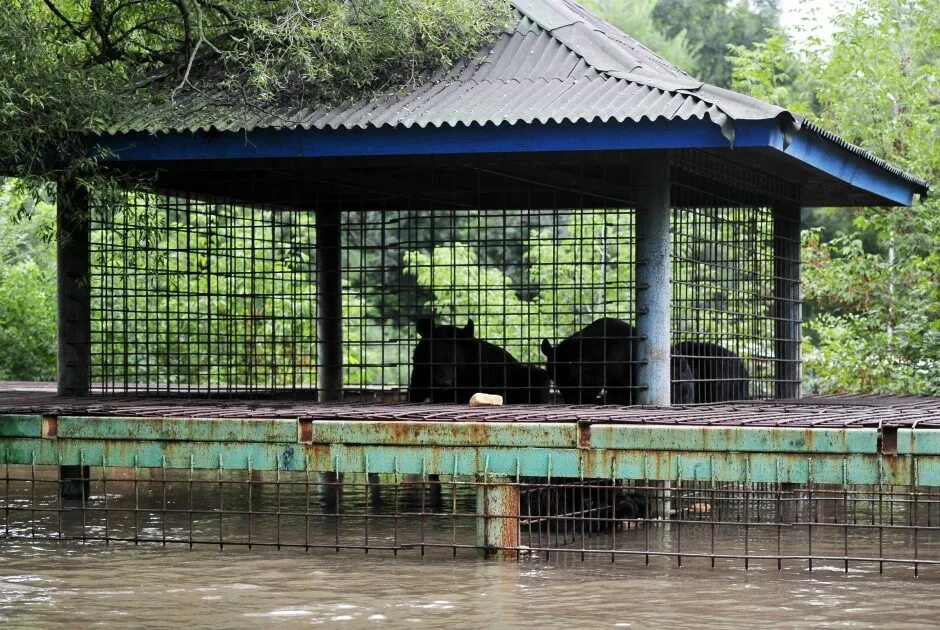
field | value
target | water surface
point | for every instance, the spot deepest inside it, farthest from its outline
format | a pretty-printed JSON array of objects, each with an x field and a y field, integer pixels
[{"x": 64, "y": 584}]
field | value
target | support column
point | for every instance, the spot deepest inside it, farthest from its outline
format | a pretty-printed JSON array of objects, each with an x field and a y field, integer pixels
[
  {"x": 329, "y": 306},
  {"x": 653, "y": 285},
  {"x": 329, "y": 321},
  {"x": 73, "y": 287},
  {"x": 73, "y": 322},
  {"x": 787, "y": 311},
  {"x": 498, "y": 518}
]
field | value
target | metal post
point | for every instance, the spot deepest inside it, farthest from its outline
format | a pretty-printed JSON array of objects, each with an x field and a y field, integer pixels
[
  {"x": 74, "y": 291},
  {"x": 73, "y": 327},
  {"x": 788, "y": 333},
  {"x": 498, "y": 518},
  {"x": 329, "y": 319},
  {"x": 329, "y": 306},
  {"x": 653, "y": 287}
]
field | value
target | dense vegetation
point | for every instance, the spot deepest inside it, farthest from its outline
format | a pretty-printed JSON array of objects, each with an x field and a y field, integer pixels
[
  {"x": 870, "y": 278},
  {"x": 871, "y": 275},
  {"x": 70, "y": 65}
]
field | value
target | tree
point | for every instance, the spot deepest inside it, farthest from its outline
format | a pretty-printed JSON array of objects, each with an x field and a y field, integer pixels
[
  {"x": 693, "y": 34},
  {"x": 636, "y": 19},
  {"x": 872, "y": 284},
  {"x": 27, "y": 290},
  {"x": 70, "y": 66},
  {"x": 710, "y": 26}
]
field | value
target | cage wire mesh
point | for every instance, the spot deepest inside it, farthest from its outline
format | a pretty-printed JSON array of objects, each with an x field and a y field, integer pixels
[
  {"x": 195, "y": 294},
  {"x": 867, "y": 528}
]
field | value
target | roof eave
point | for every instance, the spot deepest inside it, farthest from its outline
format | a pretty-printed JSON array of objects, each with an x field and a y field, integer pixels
[{"x": 878, "y": 184}]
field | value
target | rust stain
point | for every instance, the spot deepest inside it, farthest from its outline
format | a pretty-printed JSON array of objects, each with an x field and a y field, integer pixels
[
  {"x": 888, "y": 440},
  {"x": 898, "y": 469},
  {"x": 584, "y": 434},
  {"x": 305, "y": 431},
  {"x": 50, "y": 426},
  {"x": 319, "y": 456}
]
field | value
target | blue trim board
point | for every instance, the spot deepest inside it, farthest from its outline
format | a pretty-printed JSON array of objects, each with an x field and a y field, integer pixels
[
  {"x": 388, "y": 141},
  {"x": 806, "y": 147},
  {"x": 830, "y": 158}
]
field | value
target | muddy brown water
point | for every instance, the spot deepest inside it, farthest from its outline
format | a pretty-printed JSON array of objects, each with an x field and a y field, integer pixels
[{"x": 50, "y": 584}]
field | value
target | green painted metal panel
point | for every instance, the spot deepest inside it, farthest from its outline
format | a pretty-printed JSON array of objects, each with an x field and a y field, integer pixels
[
  {"x": 748, "y": 439},
  {"x": 151, "y": 454},
  {"x": 178, "y": 429},
  {"x": 20, "y": 426},
  {"x": 918, "y": 442},
  {"x": 476, "y": 460},
  {"x": 534, "y": 434}
]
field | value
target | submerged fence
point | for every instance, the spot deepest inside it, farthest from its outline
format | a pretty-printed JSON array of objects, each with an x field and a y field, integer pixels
[
  {"x": 782, "y": 526},
  {"x": 833, "y": 483}
]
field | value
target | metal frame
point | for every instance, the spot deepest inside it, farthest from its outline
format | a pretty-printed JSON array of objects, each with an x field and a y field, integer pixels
[
  {"x": 804, "y": 149},
  {"x": 554, "y": 450}
]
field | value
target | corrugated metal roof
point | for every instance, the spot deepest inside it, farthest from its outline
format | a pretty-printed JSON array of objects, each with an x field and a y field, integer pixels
[{"x": 557, "y": 63}]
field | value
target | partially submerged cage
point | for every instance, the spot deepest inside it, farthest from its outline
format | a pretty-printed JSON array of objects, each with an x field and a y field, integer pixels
[{"x": 565, "y": 175}]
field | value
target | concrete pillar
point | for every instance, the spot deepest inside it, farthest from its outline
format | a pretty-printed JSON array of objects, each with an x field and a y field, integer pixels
[
  {"x": 73, "y": 291},
  {"x": 787, "y": 310},
  {"x": 653, "y": 287},
  {"x": 329, "y": 306},
  {"x": 498, "y": 518}
]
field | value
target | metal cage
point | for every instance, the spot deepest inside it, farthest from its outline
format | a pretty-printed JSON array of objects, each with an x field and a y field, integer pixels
[{"x": 194, "y": 294}]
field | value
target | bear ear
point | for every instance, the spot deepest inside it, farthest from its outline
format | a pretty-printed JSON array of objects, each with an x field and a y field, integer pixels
[
  {"x": 547, "y": 349},
  {"x": 424, "y": 326},
  {"x": 468, "y": 329}
]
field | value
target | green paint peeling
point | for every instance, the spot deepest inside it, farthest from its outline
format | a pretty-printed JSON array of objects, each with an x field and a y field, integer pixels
[
  {"x": 20, "y": 426},
  {"x": 558, "y": 450},
  {"x": 178, "y": 429},
  {"x": 755, "y": 440}
]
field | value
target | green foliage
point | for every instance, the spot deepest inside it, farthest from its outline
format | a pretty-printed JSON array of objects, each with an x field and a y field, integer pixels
[
  {"x": 711, "y": 26},
  {"x": 27, "y": 290},
  {"x": 636, "y": 19},
  {"x": 872, "y": 283},
  {"x": 693, "y": 34},
  {"x": 340, "y": 49},
  {"x": 70, "y": 65}
]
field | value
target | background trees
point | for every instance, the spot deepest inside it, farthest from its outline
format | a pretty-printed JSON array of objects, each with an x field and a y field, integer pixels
[
  {"x": 871, "y": 275},
  {"x": 873, "y": 298}
]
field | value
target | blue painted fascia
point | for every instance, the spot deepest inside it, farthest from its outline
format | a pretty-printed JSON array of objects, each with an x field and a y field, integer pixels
[
  {"x": 829, "y": 157},
  {"x": 388, "y": 141},
  {"x": 805, "y": 146}
]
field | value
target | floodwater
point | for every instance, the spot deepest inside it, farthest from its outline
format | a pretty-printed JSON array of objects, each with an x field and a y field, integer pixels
[
  {"x": 46, "y": 583},
  {"x": 69, "y": 584}
]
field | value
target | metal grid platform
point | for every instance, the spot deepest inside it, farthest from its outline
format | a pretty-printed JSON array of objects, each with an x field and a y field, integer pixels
[{"x": 823, "y": 412}]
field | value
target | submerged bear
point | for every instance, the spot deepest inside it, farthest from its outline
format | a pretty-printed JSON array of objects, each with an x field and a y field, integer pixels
[{"x": 450, "y": 365}]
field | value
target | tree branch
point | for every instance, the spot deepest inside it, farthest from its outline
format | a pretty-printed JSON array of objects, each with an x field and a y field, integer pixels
[{"x": 79, "y": 32}]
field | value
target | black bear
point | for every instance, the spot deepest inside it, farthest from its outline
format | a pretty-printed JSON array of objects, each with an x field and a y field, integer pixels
[
  {"x": 450, "y": 365},
  {"x": 595, "y": 365},
  {"x": 717, "y": 373},
  {"x": 527, "y": 384},
  {"x": 598, "y": 366},
  {"x": 682, "y": 391}
]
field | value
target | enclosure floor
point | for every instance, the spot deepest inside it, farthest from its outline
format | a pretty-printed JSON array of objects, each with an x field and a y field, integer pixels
[{"x": 830, "y": 411}]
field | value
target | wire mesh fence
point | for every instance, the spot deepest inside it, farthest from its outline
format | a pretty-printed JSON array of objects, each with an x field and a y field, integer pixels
[
  {"x": 196, "y": 294},
  {"x": 756, "y": 525}
]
